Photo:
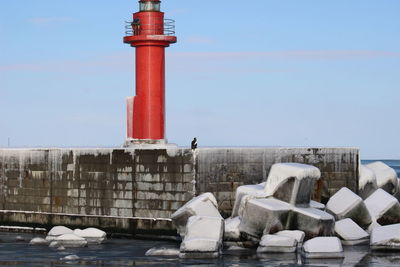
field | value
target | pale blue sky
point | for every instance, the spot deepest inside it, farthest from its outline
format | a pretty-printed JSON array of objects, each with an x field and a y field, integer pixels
[{"x": 243, "y": 73}]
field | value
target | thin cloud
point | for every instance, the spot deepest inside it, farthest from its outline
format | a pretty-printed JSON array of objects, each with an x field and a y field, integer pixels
[
  {"x": 196, "y": 61},
  {"x": 357, "y": 54},
  {"x": 50, "y": 20}
]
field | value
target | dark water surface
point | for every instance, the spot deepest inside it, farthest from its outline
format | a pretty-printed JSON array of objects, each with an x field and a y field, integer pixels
[{"x": 128, "y": 252}]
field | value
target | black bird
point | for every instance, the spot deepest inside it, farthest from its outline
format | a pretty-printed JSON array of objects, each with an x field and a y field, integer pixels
[{"x": 194, "y": 143}]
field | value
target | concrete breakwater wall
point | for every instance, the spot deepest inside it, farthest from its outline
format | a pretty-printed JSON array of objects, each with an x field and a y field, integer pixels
[{"x": 136, "y": 190}]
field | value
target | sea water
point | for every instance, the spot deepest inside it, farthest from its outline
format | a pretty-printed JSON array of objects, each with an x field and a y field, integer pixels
[{"x": 15, "y": 251}]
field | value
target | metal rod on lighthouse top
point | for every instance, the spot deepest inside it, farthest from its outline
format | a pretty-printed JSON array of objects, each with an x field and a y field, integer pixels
[{"x": 150, "y": 34}]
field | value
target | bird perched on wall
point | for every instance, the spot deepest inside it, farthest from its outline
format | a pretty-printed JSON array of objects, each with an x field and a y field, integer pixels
[{"x": 194, "y": 143}]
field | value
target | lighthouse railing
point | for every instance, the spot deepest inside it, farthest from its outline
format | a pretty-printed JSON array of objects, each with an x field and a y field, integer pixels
[{"x": 132, "y": 28}]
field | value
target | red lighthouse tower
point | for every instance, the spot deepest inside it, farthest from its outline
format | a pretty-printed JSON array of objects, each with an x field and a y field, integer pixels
[{"x": 150, "y": 34}]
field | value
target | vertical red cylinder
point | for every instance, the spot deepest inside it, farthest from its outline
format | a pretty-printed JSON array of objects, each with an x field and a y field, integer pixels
[
  {"x": 146, "y": 115},
  {"x": 149, "y": 118}
]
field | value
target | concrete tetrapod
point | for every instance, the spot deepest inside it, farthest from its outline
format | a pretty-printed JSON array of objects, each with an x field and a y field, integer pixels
[
  {"x": 346, "y": 204},
  {"x": 292, "y": 182},
  {"x": 277, "y": 244},
  {"x": 383, "y": 207},
  {"x": 203, "y": 205},
  {"x": 350, "y": 233},
  {"x": 263, "y": 216},
  {"x": 322, "y": 248},
  {"x": 386, "y": 237},
  {"x": 367, "y": 183},
  {"x": 203, "y": 238},
  {"x": 386, "y": 177}
]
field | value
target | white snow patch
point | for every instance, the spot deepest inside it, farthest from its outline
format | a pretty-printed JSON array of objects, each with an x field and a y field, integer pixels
[
  {"x": 366, "y": 176},
  {"x": 347, "y": 229},
  {"x": 58, "y": 231},
  {"x": 281, "y": 172},
  {"x": 343, "y": 201},
  {"x": 296, "y": 234},
  {"x": 203, "y": 234},
  {"x": 250, "y": 191},
  {"x": 232, "y": 229},
  {"x": 69, "y": 240},
  {"x": 38, "y": 241},
  {"x": 316, "y": 205},
  {"x": 379, "y": 202},
  {"x": 92, "y": 235},
  {"x": 314, "y": 213},
  {"x": 278, "y": 241},
  {"x": 321, "y": 245},
  {"x": 384, "y": 174},
  {"x": 70, "y": 258},
  {"x": 162, "y": 251},
  {"x": 386, "y": 237}
]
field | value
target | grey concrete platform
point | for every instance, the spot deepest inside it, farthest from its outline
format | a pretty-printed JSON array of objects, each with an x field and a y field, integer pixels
[{"x": 135, "y": 190}]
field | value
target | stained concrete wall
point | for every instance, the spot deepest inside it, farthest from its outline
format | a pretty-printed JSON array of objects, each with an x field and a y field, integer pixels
[{"x": 136, "y": 190}]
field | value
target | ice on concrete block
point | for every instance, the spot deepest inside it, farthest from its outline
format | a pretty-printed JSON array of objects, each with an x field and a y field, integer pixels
[
  {"x": 231, "y": 232},
  {"x": 254, "y": 191},
  {"x": 92, "y": 235},
  {"x": 203, "y": 235},
  {"x": 296, "y": 234},
  {"x": 346, "y": 204},
  {"x": 259, "y": 213},
  {"x": 292, "y": 182},
  {"x": 386, "y": 177},
  {"x": 351, "y": 233},
  {"x": 372, "y": 226},
  {"x": 317, "y": 205},
  {"x": 38, "y": 241},
  {"x": 322, "y": 247},
  {"x": 367, "y": 182},
  {"x": 313, "y": 222},
  {"x": 163, "y": 251},
  {"x": 386, "y": 237},
  {"x": 277, "y": 244},
  {"x": 383, "y": 207},
  {"x": 69, "y": 241},
  {"x": 203, "y": 205},
  {"x": 58, "y": 231}
]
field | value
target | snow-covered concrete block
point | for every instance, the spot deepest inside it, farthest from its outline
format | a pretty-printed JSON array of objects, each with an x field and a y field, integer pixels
[
  {"x": 92, "y": 235},
  {"x": 252, "y": 191},
  {"x": 296, "y": 234},
  {"x": 163, "y": 251},
  {"x": 386, "y": 177},
  {"x": 203, "y": 205},
  {"x": 260, "y": 214},
  {"x": 69, "y": 241},
  {"x": 367, "y": 182},
  {"x": 203, "y": 235},
  {"x": 57, "y": 231},
  {"x": 277, "y": 244},
  {"x": 317, "y": 205},
  {"x": 383, "y": 207},
  {"x": 346, "y": 204},
  {"x": 38, "y": 241},
  {"x": 231, "y": 232},
  {"x": 322, "y": 247},
  {"x": 313, "y": 222},
  {"x": 372, "y": 226},
  {"x": 386, "y": 237},
  {"x": 350, "y": 233},
  {"x": 292, "y": 182}
]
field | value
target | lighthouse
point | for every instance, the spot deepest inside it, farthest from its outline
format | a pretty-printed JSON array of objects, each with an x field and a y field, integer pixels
[{"x": 150, "y": 33}]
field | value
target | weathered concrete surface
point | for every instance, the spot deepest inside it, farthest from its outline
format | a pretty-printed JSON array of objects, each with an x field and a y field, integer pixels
[
  {"x": 222, "y": 170},
  {"x": 136, "y": 190}
]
